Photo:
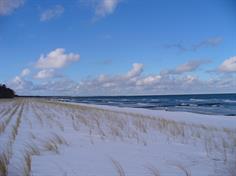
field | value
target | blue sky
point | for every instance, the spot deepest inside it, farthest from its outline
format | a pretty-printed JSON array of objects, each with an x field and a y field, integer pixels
[{"x": 118, "y": 47}]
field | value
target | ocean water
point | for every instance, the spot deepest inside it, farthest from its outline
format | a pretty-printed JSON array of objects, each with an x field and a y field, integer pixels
[{"x": 217, "y": 104}]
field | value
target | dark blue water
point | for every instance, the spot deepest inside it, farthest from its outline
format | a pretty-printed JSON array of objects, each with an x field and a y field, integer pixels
[{"x": 219, "y": 104}]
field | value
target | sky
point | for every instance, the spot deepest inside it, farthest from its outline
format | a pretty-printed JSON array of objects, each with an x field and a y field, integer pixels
[{"x": 118, "y": 47}]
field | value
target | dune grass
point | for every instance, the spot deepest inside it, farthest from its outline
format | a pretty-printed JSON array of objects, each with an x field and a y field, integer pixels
[
  {"x": 119, "y": 169},
  {"x": 153, "y": 170},
  {"x": 53, "y": 143},
  {"x": 4, "y": 161}
]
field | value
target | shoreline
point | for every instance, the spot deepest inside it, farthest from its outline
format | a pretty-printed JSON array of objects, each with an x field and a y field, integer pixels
[{"x": 185, "y": 117}]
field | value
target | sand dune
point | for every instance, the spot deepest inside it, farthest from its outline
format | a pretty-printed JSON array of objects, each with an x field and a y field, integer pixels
[{"x": 45, "y": 138}]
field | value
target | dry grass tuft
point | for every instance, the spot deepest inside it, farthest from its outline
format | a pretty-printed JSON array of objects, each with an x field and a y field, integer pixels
[
  {"x": 52, "y": 146},
  {"x": 182, "y": 168},
  {"x": 4, "y": 161},
  {"x": 119, "y": 169},
  {"x": 32, "y": 150},
  {"x": 153, "y": 170},
  {"x": 53, "y": 143},
  {"x": 60, "y": 140},
  {"x": 2, "y": 127},
  {"x": 29, "y": 152},
  {"x": 27, "y": 164}
]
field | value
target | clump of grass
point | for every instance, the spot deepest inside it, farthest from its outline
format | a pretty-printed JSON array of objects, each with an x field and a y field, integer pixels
[
  {"x": 60, "y": 140},
  {"x": 52, "y": 146},
  {"x": 119, "y": 169},
  {"x": 4, "y": 161},
  {"x": 116, "y": 132},
  {"x": 2, "y": 127},
  {"x": 140, "y": 125},
  {"x": 14, "y": 132},
  {"x": 153, "y": 170},
  {"x": 53, "y": 143},
  {"x": 75, "y": 125},
  {"x": 27, "y": 164},
  {"x": 182, "y": 168},
  {"x": 32, "y": 150},
  {"x": 32, "y": 136}
]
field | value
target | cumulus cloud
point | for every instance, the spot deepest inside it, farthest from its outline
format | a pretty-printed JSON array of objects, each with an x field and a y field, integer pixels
[
  {"x": 187, "y": 67},
  {"x": 229, "y": 65},
  {"x": 54, "y": 12},
  {"x": 25, "y": 72},
  {"x": 20, "y": 84},
  {"x": 210, "y": 42},
  {"x": 56, "y": 59},
  {"x": 106, "y": 7},
  {"x": 8, "y": 6},
  {"x": 136, "y": 70},
  {"x": 47, "y": 73}
]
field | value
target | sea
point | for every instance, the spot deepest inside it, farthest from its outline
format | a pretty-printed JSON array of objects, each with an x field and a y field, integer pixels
[{"x": 214, "y": 104}]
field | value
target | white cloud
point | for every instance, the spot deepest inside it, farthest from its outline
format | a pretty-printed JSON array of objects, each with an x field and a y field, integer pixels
[
  {"x": 8, "y": 6},
  {"x": 135, "y": 71},
  {"x": 148, "y": 80},
  {"x": 229, "y": 65},
  {"x": 190, "y": 79},
  {"x": 56, "y": 59},
  {"x": 19, "y": 84},
  {"x": 25, "y": 72},
  {"x": 54, "y": 12},
  {"x": 187, "y": 67},
  {"x": 106, "y": 7},
  {"x": 47, "y": 73}
]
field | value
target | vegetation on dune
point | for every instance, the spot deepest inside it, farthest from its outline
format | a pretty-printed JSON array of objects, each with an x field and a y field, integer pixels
[{"x": 6, "y": 92}]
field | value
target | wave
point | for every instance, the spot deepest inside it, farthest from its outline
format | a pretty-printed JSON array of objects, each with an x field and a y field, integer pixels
[
  {"x": 194, "y": 99},
  {"x": 229, "y": 101},
  {"x": 205, "y": 104}
]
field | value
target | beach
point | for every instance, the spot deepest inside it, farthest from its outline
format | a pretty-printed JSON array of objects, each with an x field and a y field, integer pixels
[{"x": 43, "y": 137}]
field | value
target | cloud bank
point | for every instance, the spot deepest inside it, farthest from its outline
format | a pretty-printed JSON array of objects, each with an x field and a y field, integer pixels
[{"x": 179, "y": 80}]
